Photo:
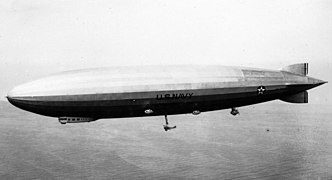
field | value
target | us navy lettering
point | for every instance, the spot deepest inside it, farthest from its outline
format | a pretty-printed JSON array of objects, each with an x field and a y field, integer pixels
[{"x": 174, "y": 96}]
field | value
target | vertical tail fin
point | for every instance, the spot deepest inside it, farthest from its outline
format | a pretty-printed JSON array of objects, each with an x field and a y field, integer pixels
[
  {"x": 299, "y": 69},
  {"x": 301, "y": 97}
]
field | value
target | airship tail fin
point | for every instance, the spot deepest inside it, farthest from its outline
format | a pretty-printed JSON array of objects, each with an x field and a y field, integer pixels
[
  {"x": 299, "y": 69},
  {"x": 301, "y": 97}
]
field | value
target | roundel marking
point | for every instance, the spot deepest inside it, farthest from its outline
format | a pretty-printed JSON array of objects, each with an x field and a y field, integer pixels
[{"x": 261, "y": 90}]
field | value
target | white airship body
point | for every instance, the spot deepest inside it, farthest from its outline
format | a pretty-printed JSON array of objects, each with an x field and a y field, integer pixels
[{"x": 88, "y": 95}]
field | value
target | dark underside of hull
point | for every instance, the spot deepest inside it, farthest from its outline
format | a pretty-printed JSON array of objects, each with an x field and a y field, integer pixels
[{"x": 126, "y": 108}]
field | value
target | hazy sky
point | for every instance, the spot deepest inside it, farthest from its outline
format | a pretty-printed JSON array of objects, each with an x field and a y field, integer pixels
[{"x": 39, "y": 37}]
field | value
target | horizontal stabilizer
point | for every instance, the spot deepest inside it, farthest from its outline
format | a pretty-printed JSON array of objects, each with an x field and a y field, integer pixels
[
  {"x": 300, "y": 69},
  {"x": 301, "y": 97}
]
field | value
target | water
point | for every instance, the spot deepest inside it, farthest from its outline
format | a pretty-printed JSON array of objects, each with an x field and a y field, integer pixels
[{"x": 273, "y": 140}]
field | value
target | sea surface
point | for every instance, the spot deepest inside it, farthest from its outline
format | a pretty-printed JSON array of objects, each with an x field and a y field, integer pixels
[{"x": 274, "y": 140}]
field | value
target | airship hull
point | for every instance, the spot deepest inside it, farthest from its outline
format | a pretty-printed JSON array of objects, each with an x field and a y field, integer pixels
[{"x": 149, "y": 91}]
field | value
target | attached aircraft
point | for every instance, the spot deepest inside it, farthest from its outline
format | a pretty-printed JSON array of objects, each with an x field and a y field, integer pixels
[{"x": 116, "y": 92}]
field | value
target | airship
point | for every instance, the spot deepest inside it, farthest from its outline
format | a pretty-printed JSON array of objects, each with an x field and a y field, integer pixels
[{"x": 128, "y": 91}]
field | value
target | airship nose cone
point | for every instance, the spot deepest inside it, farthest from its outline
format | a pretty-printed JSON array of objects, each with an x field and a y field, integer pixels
[
  {"x": 39, "y": 87},
  {"x": 12, "y": 93},
  {"x": 15, "y": 97},
  {"x": 20, "y": 91},
  {"x": 22, "y": 95},
  {"x": 11, "y": 100}
]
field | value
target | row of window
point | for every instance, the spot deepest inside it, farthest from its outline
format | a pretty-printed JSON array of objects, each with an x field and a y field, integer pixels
[{"x": 73, "y": 119}]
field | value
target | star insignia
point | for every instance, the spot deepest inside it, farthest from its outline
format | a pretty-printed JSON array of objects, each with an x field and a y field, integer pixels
[{"x": 261, "y": 90}]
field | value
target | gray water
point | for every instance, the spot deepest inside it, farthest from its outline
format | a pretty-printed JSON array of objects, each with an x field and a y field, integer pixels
[{"x": 273, "y": 140}]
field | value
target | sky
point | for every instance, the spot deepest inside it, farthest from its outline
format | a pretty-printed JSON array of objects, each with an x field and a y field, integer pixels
[{"x": 39, "y": 37}]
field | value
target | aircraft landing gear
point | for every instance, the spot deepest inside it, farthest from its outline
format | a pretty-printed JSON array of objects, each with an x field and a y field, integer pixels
[
  {"x": 166, "y": 127},
  {"x": 234, "y": 111}
]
